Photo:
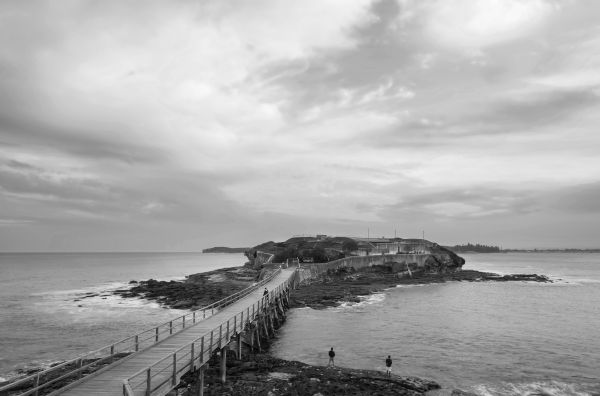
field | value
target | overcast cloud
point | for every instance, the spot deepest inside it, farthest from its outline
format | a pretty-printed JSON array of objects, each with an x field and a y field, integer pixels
[{"x": 157, "y": 125}]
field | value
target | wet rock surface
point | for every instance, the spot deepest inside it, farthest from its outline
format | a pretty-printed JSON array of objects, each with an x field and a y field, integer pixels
[
  {"x": 196, "y": 290},
  {"x": 347, "y": 285},
  {"x": 266, "y": 375}
]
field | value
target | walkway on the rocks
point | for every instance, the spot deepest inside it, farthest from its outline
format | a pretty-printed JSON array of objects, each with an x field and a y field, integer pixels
[{"x": 110, "y": 382}]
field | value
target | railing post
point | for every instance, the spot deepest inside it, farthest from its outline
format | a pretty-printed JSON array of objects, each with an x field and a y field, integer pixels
[
  {"x": 227, "y": 334},
  {"x": 202, "y": 350},
  {"x": 203, "y": 313},
  {"x": 148, "y": 382},
  {"x": 171, "y": 327},
  {"x": 156, "y": 337},
  {"x": 192, "y": 358},
  {"x": 79, "y": 364},
  {"x": 184, "y": 321},
  {"x": 241, "y": 322},
  {"x": 174, "y": 379},
  {"x": 112, "y": 349},
  {"x": 137, "y": 343},
  {"x": 211, "y": 341},
  {"x": 194, "y": 317}
]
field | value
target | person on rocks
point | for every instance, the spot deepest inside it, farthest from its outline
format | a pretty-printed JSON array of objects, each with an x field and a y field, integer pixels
[
  {"x": 388, "y": 366},
  {"x": 331, "y": 356}
]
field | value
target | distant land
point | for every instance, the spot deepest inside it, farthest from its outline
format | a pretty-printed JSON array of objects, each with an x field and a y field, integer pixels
[
  {"x": 465, "y": 248},
  {"x": 223, "y": 249},
  {"x": 568, "y": 250},
  {"x": 479, "y": 248}
]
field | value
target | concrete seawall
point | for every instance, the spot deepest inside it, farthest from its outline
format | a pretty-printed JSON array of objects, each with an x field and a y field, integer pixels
[{"x": 398, "y": 263}]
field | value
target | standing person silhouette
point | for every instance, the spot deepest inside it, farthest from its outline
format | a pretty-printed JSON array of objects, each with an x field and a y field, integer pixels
[
  {"x": 388, "y": 366},
  {"x": 331, "y": 356}
]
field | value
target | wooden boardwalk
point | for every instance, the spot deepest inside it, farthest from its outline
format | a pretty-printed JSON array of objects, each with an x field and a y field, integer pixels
[{"x": 110, "y": 381}]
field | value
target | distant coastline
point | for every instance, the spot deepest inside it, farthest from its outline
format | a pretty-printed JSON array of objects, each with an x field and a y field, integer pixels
[
  {"x": 223, "y": 249},
  {"x": 478, "y": 248},
  {"x": 550, "y": 251}
]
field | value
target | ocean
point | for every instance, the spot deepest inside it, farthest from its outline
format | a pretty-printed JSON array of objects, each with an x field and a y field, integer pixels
[
  {"x": 514, "y": 338},
  {"x": 489, "y": 338},
  {"x": 46, "y": 314}
]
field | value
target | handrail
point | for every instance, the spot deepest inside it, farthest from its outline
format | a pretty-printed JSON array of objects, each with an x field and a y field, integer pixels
[
  {"x": 34, "y": 379},
  {"x": 150, "y": 372},
  {"x": 277, "y": 272}
]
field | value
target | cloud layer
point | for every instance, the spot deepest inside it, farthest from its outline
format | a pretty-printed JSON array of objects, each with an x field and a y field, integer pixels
[{"x": 175, "y": 126}]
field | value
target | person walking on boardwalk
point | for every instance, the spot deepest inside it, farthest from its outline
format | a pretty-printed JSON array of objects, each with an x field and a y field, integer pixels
[
  {"x": 331, "y": 356},
  {"x": 388, "y": 366}
]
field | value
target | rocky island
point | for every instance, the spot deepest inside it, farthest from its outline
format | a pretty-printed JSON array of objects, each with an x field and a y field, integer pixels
[{"x": 341, "y": 269}]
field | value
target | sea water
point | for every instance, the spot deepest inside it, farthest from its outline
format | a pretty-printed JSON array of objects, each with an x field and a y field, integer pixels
[
  {"x": 489, "y": 338},
  {"x": 46, "y": 314}
]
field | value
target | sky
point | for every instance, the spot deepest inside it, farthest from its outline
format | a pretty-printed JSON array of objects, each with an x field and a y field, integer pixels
[{"x": 180, "y": 125}]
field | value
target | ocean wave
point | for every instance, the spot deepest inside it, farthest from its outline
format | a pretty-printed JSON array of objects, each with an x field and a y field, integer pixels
[
  {"x": 565, "y": 281},
  {"x": 100, "y": 288},
  {"x": 416, "y": 285},
  {"x": 539, "y": 388},
  {"x": 26, "y": 369},
  {"x": 80, "y": 304},
  {"x": 371, "y": 299},
  {"x": 575, "y": 281}
]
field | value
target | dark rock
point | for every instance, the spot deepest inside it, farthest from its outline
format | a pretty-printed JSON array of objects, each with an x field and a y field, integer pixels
[
  {"x": 458, "y": 392},
  {"x": 196, "y": 290}
]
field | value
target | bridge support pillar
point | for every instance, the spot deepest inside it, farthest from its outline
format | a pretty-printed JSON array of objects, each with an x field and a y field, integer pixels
[
  {"x": 200, "y": 390},
  {"x": 258, "y": 337},
  {"x": 224, "y": 364}
]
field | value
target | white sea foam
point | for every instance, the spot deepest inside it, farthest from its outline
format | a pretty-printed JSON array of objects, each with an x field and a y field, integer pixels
[
  {"x": 364, "y": 300},
  {"x": 96, "y": 300},
  {"x": 547, "y": 388},
  {"x": 21, "y": 370},
  {"x": 415, "y": 285},
  {"x": 564, "y": 281}
]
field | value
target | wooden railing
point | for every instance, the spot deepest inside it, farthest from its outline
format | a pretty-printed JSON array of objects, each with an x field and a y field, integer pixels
[
  {"x": 163, "y": 375},
  {"x": 94, "y": 360}
]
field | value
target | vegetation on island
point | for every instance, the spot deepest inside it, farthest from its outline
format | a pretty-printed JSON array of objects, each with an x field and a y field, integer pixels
[
  {"x": 224, "y": 249},
  {"x": 315, "y": 250},
  {"x": 478, "y": 248}
]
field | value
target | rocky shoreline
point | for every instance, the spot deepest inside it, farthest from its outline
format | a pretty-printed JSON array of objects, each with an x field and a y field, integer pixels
[
  {"x": 197, "y": 290},
  {"x": 262, "y": 374},
  {"x": 332, "y": 289},
  {"x": 347, "y": 285}
]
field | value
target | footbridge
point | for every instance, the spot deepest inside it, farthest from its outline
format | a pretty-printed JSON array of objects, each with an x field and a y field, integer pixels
[{"x": 153, "y": 362}]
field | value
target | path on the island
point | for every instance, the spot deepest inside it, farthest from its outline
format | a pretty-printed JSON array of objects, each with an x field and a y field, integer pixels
[{"x": 110, "y": 381}]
